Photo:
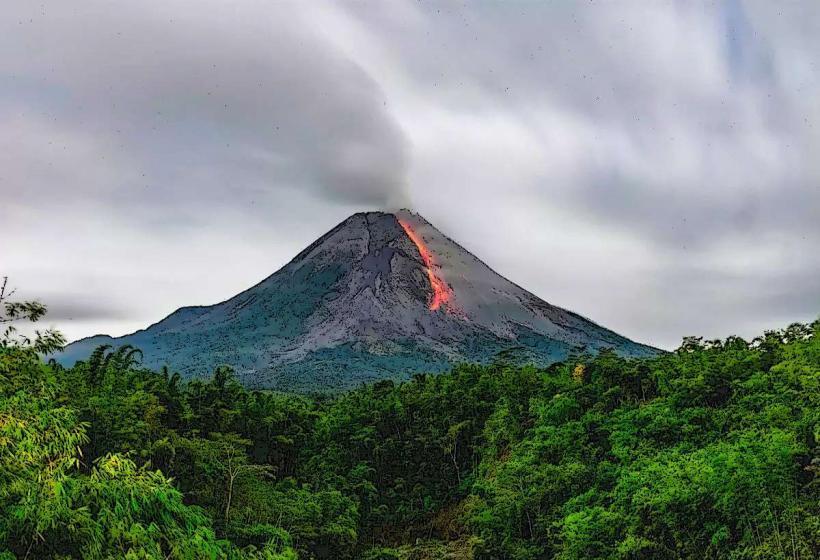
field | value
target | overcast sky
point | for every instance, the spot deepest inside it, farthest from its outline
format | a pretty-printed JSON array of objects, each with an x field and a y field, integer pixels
[{"x": 654, "y": 166}]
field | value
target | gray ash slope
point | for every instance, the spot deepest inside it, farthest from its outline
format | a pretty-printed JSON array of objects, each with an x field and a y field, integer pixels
[{"x": 355, "y": 307}]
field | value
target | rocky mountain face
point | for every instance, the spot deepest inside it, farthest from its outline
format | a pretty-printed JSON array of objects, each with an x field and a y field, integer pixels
[{"x": 380, "y": 296}]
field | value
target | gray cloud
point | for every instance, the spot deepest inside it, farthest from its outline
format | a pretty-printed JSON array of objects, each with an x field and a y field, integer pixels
[
  {"x": 651, "y": 165},
  {"x": 71, "y": 307},
  {"x": 190, "y": 109},
  {"x": 677, "y": 122}
]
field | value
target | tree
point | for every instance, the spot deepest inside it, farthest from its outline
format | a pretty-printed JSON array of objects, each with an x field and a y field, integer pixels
[
  {"x": 44, "y": 342},
  {"x": 223, "y": 458}
]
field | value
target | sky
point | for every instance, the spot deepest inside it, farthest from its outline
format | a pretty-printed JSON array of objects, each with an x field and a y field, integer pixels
[{"x": 654, "y": 166}]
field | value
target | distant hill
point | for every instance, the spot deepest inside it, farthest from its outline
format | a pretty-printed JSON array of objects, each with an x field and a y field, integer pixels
[{"x": 380, "y": 296}]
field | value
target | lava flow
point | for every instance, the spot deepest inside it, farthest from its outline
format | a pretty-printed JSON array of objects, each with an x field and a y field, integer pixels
[{"x": 441, "y": 291}]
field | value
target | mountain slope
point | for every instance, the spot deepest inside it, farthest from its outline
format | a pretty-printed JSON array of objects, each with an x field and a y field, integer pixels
[{"x": 381, "y": 295}]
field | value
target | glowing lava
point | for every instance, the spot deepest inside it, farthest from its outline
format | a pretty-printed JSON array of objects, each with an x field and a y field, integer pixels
[{"x": 441, "y": 291}]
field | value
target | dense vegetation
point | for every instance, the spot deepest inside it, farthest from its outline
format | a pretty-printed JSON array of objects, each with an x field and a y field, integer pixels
[{"x": 707, "y": 452}]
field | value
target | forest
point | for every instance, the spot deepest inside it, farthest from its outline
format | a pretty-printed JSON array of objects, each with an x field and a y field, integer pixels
[{"x": 710, "y": 451}]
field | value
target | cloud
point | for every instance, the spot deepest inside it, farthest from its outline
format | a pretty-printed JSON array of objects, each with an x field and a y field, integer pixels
[
  {"x": 651, "y": 165},
  {"x": 197, "y": 108},
  {"x": 77, "y": 307},
  {"x": 674, "y": 121}
]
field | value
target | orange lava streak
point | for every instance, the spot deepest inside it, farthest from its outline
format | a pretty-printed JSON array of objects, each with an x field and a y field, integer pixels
[{"x": 441, "y": 292}]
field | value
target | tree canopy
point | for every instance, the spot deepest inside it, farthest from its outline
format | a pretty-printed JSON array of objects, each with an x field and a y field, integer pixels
[{"x": 710, "y": 451}]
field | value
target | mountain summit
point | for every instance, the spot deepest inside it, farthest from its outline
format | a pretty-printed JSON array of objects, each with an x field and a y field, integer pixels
[{"x": 380, "y": 296}]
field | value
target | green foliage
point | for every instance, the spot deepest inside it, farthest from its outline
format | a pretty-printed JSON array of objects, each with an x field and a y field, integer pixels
[
  {"x": 44, "y": 342},
  {"x": 707, "y": 452},
  {"x": 320, "y": 523},
  {"x": 49, "y": 510},
  {"x": 710, "y": 452}
]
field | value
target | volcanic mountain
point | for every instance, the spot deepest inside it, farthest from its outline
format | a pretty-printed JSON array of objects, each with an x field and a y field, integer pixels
[{"x": 380, "y": 296}]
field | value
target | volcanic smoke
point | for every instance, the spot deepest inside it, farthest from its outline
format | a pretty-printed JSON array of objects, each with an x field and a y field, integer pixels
[{"x": 441, "y": 292}]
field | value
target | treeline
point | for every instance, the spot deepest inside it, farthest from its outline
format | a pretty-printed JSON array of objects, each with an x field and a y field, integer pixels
[{"x": 707, "y": 452}]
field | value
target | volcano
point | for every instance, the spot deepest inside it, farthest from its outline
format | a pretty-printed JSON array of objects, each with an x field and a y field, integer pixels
[{"x": 380, "y": 296}]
